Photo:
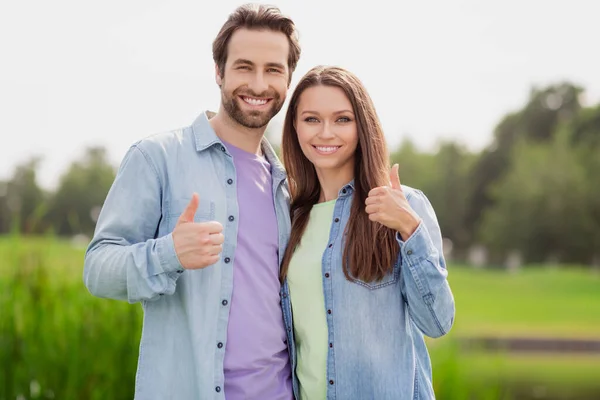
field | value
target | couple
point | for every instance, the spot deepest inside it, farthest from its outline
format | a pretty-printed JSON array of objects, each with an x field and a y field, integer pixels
[{"x": 260, "y": 285}]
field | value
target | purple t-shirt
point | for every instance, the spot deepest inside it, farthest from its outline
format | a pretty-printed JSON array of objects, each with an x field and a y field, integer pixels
[{"x": 256, "y": 364}]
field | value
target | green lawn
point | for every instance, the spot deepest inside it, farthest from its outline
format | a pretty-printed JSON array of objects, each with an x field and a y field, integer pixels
[
  {"x": 536, "y": 301},
  {"x": 49, "y": 320}
]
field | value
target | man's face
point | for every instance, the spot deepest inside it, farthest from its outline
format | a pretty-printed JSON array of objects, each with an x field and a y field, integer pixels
[{"x": 255, "y": 80}]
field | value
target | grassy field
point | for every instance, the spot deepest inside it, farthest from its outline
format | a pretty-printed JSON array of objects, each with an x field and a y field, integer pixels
[
  {"x": 536, "y": 301},
  {"x": 57, "y": 341}
]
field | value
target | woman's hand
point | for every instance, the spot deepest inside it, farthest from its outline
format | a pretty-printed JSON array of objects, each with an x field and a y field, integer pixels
[{"x": 388, "y": 206}]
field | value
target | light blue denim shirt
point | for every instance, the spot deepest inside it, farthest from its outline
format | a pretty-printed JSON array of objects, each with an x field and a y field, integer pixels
[
  {"x": 132, "y": 257},
  {"x": 376, "y": 346}
]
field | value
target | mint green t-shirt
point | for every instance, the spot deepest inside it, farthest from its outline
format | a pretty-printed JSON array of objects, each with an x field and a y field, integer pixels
[{"x": 305, "y": 282}]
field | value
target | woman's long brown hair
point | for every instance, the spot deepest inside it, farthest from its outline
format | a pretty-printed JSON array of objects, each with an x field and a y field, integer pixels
[{"x": 370, "y": 248}]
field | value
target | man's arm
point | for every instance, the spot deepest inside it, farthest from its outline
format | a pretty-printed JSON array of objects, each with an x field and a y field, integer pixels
[{"x": 125, "y": 260}]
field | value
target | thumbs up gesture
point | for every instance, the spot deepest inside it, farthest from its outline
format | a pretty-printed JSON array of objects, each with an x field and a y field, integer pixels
[
  {"x": 388, "y": 206},
  {"x": 197, "y": 244}
]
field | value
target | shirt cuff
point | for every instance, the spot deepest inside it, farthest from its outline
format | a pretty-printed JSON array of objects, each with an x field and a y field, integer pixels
[
  {"x": 418, "y": 246},
  {"x": 167, "y": 255}
]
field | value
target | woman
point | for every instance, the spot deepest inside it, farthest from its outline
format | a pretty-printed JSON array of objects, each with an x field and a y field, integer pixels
[{"x": 364, "y": 276}]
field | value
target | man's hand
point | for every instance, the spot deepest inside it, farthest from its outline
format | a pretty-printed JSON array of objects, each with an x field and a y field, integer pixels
[{"x": 197, "y": 244}]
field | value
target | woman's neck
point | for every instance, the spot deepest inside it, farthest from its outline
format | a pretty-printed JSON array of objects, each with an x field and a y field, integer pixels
[{"x": 332, "y": 181}]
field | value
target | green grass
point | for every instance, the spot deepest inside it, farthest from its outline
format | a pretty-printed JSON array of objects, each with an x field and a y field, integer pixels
[
  {"x": 513, "y": 376},
  {"x": 535, "y": 301},
  {"x": 552, "y": 370},
  {"x": 56, "y": 340},
  {"x": 72, "y": 345}
]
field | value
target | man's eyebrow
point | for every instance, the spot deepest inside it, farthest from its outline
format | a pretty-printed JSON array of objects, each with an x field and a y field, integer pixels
[
  {"x": 276, "y": 65},
  {"x": 248, "y": 62},
  {"x": 242, "y": 61}
]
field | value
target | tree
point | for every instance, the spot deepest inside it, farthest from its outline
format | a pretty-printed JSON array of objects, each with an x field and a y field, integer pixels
[
  {"x": 541, "y": 206},
  {"x": 81, "y": 193},
  {"x": 22, "y": 201},
  {"x": 537, "y": 122},
  {"x": 442, "y": 176}
]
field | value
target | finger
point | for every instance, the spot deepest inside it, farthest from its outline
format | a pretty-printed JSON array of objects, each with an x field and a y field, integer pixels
[
  {"x": 215, "y": 250},
  {"x": 378, "y": 191},
  {"x": 372, "y": 200},
  {"x": 188, "y": 214},
  {"x": 375, "y": 217},
  {"x": 371, "y": 209},
  {"x": 395, "y": 178},
  {"x": 217, "y": 238},
  {"x": 212, "y": 227},
  {"x": 213, "y": 260}
]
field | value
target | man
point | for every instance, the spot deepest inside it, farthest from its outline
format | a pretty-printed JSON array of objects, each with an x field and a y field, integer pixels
[{"x": 195, "y": 225}]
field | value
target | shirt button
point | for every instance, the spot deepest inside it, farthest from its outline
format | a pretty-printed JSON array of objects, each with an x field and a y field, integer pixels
[
  {"x": 224, "y": 302},
  {"x": 230, "y": 181},
  {"x": 218, "y": 389},
  {"x": 344, "y": 191},
  {"x": 409, "y": 252},
  {"x": 337, "y": 220},
  {"x": 330, "y": 345},
  {"x": 330, "y": 245},
  {"x": 231, "y": 218},
  {"x": 179, "y": 271},
  {"x": 223, "y": 150},
  {"x": 331, "y": 381},
  {"x": 220, "y": 345},
  {"x": 328, "y": 311},
  {"x": 326, "y": 274},
  {"x": 227, "y": 259}
]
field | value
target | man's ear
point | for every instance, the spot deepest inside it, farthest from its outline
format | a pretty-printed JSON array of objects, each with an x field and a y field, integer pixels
[{"x": 218, "y": 77}]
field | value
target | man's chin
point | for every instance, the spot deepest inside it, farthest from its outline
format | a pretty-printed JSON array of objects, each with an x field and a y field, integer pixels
[
  {"x": 256, "y": 118},
  {"x": 254, "y": 121}
]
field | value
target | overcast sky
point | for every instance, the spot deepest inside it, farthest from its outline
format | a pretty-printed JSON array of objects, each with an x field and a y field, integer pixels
[{"x": 79, "y": 73}]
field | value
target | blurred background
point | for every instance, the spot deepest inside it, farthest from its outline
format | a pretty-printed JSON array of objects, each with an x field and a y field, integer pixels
[{"x": 491, "y": 108}]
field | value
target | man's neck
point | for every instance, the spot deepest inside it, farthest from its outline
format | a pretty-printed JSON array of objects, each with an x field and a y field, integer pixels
[{"x": 228, "y": 130}]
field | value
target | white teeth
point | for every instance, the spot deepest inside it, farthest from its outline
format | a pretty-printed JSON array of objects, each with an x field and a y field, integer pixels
[
  {"x": 255, "y": 102},
  {"x": 327, "y": 149}
]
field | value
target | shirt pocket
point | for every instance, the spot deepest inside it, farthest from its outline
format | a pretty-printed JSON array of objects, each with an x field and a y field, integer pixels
[
  {"x": 204, "y": 213},
  {"x": 391, "y": 278}
]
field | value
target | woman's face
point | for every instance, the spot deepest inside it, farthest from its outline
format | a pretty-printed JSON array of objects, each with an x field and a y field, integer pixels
[{"x": 327, "y": 129}]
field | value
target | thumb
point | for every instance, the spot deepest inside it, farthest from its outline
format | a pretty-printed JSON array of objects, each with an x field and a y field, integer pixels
[
  {"x": 188, "y": 214},
  {"x": 395, "y": 178}
]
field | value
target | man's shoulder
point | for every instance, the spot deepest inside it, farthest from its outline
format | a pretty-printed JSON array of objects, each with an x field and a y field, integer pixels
[
  {"x": 165, "y": 140},
  {"x": 163, "y": 145}
]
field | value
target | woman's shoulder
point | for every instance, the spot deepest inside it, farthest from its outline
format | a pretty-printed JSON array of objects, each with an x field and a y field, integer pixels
[
  {"x": 417, "y": 200},
  {"x": 412, "y": 193}
]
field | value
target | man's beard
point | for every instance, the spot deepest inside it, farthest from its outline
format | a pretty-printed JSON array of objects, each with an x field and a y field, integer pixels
[{"x": 251, "y": 119}]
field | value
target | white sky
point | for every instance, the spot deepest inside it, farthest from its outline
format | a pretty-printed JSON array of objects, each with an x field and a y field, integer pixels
[{"x": 79, "y": 73}]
